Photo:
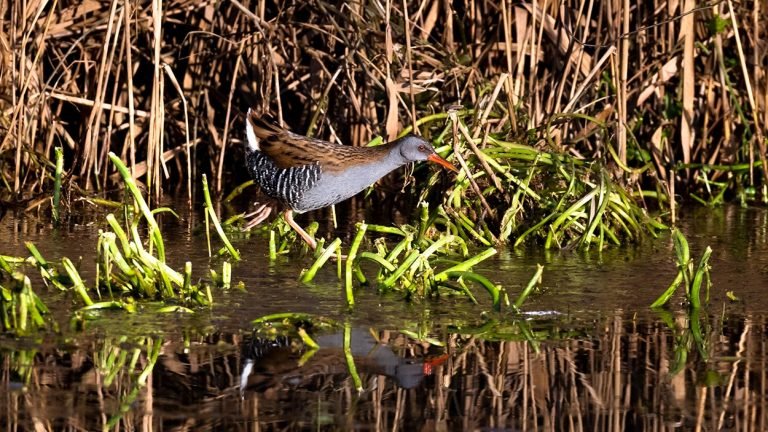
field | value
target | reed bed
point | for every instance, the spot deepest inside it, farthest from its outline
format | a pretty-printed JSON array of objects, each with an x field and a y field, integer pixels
[
  {"x": 654, "y": 99},
  {"x": 129, "y": 267}
]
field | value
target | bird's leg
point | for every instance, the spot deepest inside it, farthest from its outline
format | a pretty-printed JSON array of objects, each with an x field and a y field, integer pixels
[
  {"x": 258, "y": 216},
  {"x": 288, "y": 216}
]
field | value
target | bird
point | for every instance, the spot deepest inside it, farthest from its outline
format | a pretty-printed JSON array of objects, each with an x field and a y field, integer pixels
[{"x": 302, "y": 174}]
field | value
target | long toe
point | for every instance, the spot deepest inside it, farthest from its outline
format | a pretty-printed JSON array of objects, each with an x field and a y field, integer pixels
[{"x": 256, "y": 217}]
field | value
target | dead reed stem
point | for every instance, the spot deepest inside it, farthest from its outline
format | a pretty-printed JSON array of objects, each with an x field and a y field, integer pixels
[{"x": 88, "y": 76}]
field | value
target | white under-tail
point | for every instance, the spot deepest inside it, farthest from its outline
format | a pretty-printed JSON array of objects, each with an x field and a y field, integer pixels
[{"x": 253, "y": 140}]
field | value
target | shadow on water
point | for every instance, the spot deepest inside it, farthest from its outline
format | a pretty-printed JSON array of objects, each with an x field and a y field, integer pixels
[{"x": 586, "y": 353}]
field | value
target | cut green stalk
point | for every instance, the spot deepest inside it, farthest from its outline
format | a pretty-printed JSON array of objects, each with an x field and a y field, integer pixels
[
  {"x": 361, "y": 229},
  {"x": 686, "y": 274},
  {"x": 209, "y": 209},
  {"x": 4, "y": 265},
  {"x": 403, "y": 245},
  {"x": 324, "y": 256},
  {"x": 386, "y": 230},
  {"x": 237, "y": 191},
  {"x": 664, "y": 298},
  {"x": 121, "y": 235},
  {"x": 535, "y": 280},
  {"x": 110, "y": 305},
  {"x": 272, "y": 246},
  {"x": 226, "y": 275},
  {"x": 47, "y": 271},
  {"x": 308, "y": 341},
  {"x": 187, "y": 287},
  {"x": 79, "y": 285}
]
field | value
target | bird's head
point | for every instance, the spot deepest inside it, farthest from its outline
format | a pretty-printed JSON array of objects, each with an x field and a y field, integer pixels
[{"x": 414, "y": 148}]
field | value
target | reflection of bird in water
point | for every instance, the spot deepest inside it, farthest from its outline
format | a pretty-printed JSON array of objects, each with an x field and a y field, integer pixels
[{"x": 274, "y": 363}]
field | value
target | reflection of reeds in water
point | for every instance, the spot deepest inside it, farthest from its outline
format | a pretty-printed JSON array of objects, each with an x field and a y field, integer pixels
[{"x": 620, "y": 377}]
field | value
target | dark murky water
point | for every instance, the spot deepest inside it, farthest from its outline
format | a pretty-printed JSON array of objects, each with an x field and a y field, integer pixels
[{"x": 588, "y": 354}]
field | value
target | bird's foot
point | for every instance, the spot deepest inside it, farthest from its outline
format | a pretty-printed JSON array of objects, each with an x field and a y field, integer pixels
[{"x": 257, "y": 216}]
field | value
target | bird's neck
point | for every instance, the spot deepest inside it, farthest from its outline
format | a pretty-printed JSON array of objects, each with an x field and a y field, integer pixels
[
  {"x": 390, "y": 162},
  {"x": 367, "y": 173},
  {"x": 394, "y": 158}
]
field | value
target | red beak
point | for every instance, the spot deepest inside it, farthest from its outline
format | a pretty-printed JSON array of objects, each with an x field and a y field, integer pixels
[{"x": 434, "y": 157}]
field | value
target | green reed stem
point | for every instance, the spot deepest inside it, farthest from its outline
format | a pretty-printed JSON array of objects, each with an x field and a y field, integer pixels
[
  {"x": 325, "y": 256},
  {"x": 226, "y": 275},
  {"x": 386, "y": 230},
  {"x": 48, "y": 272},
  {"x": 121, "y": 235},
  {"x": 308, "y": 341},
  {"x": 272, "y": 246},
  {"x": 187, "y": 287},
  {"x": 117, "y": 256},
  {"x": 209, "y": 208},
  {"x": 162, "y": 268},
  {"x": 112, "y": 304},
  {"x": 410, "y": 259},
  {"x": 36, "y": 255},
  {"x": 489, "y": 286},
  {"x": 55, "y": 210},
  {"x": 535, "y": 280},
  {"x": 702, "y": 272},
  {"x": 466, "y": 265},
  {"x": 378, "y": 260},
  {"x": 682, "y": 251},
  {"x": 237, "y": 191},
  {"x": 349, "y": 358},
  {"x": 664, "y": 298},
  {"x": 404, "y": 244},
  {"x": 156, "y": 235},
  {"x": 79, "y": 285},
  {"x": 282, "y": 316},
  {"x": 361, "y": 229}
]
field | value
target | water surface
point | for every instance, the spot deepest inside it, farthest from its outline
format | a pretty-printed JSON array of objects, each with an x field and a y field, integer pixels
[{"x": 586, "y": 353}]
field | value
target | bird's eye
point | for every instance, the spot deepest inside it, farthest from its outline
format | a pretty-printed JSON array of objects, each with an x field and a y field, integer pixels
[{"x": 422, "y": 148}]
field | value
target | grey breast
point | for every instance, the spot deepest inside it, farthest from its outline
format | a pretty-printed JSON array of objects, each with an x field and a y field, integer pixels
[{"x": 334, "y": 187}]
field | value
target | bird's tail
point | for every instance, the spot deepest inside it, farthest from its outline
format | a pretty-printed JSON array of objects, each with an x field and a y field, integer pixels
[{"x": 258, "y": 128}]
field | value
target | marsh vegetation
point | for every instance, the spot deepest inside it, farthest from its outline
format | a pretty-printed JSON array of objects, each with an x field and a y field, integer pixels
[{"x": 577, "y": 126}]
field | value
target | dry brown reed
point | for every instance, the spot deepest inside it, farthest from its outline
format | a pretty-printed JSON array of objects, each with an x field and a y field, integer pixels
[{"x": 675, "y": 86}]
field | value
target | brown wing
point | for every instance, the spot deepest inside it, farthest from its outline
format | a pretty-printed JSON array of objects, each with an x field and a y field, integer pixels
[{"x": 288, "y": 150}]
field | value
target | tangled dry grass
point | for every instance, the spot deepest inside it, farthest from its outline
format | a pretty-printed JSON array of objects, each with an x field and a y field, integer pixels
[{"x": 671, "y": 95}]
